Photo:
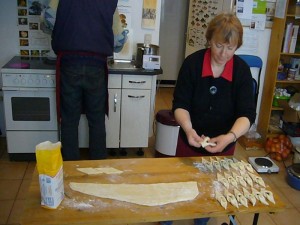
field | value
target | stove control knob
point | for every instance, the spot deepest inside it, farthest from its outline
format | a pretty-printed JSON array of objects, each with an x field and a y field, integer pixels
[
  {"x": 16, "y": 81},
  {"x": 37, "y": 81},
  {"x": 30, "y": 81},
  {"x": 269, "y": 171},
  {"x": 44, "y": 81},
  {"x": 23, "y": 81}
]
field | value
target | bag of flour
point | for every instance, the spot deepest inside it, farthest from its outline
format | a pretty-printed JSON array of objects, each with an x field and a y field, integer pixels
[{"x": 50, "y": 168}]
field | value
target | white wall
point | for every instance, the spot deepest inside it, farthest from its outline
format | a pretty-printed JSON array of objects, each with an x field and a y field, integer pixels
[
  {"x": 259, "y": 48},
  {"x": 8, "y": 30},
  {"x": 172, "y": 37},
  {"x": 136, "y": 32},
  {"x": 8, "y": 43}
]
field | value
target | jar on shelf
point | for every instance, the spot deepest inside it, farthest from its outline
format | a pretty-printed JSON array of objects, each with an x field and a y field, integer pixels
[
  {"x": 291, "y": 74},
  {"x": 297, "y": 11}
]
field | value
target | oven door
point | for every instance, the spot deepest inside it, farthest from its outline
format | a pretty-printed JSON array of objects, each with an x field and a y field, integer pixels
[{"x": 30, "y": 109}]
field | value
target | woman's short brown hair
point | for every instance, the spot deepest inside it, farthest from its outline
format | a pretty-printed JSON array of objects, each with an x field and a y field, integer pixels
[{"x": 225, "y": 28}]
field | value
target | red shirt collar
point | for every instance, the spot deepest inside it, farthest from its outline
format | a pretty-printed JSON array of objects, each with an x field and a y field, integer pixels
[{"x": 207, "y": 71}]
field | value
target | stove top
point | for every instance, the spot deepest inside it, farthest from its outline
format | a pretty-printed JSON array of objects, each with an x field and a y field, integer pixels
[
  {"x": 22, "y": 71},
  {"x": 263, "y": 165},
  {"x": 26, "y": 63}
]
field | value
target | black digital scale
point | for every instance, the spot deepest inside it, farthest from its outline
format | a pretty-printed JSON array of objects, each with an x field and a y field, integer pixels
[{"x": 263, "y": 165}]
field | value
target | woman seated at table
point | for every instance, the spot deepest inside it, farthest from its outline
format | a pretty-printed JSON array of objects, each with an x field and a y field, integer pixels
[{"x": 214, "y": 94}]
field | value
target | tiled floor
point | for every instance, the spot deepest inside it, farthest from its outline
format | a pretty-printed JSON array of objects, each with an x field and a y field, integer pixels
[{"x": 15, "y": 178}]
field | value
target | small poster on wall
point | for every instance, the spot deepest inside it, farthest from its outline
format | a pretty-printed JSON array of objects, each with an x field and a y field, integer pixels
[
  {"x": 125, "y": 13},
  {"x": 199, "y": 17},
  {"x": 149, "y": 14},
  {"x": 33, "y": 41}
]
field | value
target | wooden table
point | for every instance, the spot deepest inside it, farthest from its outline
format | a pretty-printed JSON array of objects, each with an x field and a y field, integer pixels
[{"x": 78, "y": 208}]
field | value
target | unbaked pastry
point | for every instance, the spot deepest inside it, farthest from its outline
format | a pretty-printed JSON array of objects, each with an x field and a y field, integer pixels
[
  {"x": 224, "y": 164},
  {"x": 248, "y": 166},
  {"x": 231, "y": 198},
  {"x": 223, "y": 180},
  {"x": 248, "y": 179},
  {"x": 268, "y": 195},
  {"x": 142, "y": 194},
  {"x": 217, "y": 165},
  {"x": 257, "y": 179},
  {"x": 221, "y": 199},
  {"x": 259, "y": 196},
  {"x": 249, "y": 196},
  {"x": 100, "y": 170},
  {"x": 240, "y": 197},
  {"x": 208, "y": 164}
]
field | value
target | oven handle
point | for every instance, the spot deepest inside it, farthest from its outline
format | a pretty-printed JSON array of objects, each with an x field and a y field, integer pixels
[{"x": 26, "y": 89}]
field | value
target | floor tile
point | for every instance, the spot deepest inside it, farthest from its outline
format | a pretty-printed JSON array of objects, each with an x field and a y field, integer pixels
[
  {"x": 5, "y": 208},
  {"x": 218, "y": 220},
  {"x": 292, "y": 195},
  {"x": 9, "y": 189},
  {"x": 23, "y": 189},
  {"x": 4, "y": 157},
  {"x": 283, "y": 198},
  {"x": 288, "y": 216},
  {"x": 12, "y": 170},
  {"x": 29, "y": 170},
  {"x": 16, "y": 212},
  {"x": 279, "y": 179},
  {"x": 264, "y": 218}
]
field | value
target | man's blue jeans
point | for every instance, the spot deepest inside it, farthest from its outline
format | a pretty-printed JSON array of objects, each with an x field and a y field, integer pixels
[{"x": 83, "y": 89}]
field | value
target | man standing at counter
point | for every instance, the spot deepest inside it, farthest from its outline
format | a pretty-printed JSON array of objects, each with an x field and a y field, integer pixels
[{"x": 82, "y": 38}]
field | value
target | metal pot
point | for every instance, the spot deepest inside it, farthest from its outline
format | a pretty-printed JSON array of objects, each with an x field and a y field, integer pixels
[
  {"x": 143, "y": 49},
  {"x": 296, "y": 157},
  {"x": 293, "y": 176}
]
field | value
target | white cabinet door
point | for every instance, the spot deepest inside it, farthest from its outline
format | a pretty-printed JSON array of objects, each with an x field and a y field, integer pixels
[
  {"x": 135, "y": 118},
  {"x": 112, "y": 122}
]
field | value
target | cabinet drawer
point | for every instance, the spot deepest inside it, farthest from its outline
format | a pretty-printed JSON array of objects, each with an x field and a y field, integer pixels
[
  {"x": 114, "y": 80},
  {"x": 137, "y": 81}
]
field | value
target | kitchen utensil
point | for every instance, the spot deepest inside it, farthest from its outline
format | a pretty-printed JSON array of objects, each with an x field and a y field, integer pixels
[
  {"x": 144, "y": 49},
  {"x": 293, "y": 176},
  {"x": 263, "y": 165},
  {"x": 296, "y": 157}
]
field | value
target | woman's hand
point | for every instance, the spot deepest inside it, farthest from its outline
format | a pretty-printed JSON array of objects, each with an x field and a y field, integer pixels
[
  {"x": 193, "y": 138},
  {"x": 221, "y": 142}
]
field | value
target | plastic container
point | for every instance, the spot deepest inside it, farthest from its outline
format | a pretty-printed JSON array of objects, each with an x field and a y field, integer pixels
[
  {"x": 275, "y": 99},
  {"x": 291, "y": 74},
  {"x": 293, "y": 179},
  {"x": 167, "y": 131},
  {"x": 50, "y": 168}
]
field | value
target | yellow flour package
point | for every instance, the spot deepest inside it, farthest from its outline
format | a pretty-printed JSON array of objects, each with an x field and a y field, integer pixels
[{"x": 50, "y": 168}]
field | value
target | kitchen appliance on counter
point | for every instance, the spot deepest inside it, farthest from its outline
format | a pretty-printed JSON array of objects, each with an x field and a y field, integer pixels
[
  {"x": 147, "y": 56},
  {"x": 263, "y": 165},
  {"x": 29, "y": 105}
]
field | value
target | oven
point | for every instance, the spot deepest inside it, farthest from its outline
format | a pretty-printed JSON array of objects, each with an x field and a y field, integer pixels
[{"x": 29, "y": 109}]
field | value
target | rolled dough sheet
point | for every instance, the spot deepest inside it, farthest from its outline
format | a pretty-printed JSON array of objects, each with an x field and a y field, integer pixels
[
  {"x": 94, "y": 171},
  {"x": 142, "y": 194}
]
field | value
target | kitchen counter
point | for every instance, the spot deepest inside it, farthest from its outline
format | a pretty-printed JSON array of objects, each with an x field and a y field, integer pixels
[
  {"x": 79, "y": 208},
  {"x": 24, "y": 64},
  {"x": 129, "y": 126}
]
